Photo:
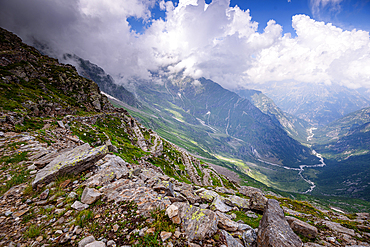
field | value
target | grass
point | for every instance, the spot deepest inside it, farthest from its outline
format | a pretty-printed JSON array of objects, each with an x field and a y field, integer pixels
[
  {"x": 33, "y": 231},
  {"x": 253, "y": 222}
]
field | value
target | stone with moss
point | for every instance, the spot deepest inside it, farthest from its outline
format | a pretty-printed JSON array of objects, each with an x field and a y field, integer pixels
[{"x": 72, "y": 162}]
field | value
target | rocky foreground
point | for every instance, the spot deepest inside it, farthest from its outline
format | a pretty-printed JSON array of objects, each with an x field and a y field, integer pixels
[{"x": 72, "y": 194}]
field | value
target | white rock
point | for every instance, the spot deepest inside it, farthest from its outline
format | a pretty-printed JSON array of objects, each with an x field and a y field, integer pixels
[{"x": 79, "y": 206}]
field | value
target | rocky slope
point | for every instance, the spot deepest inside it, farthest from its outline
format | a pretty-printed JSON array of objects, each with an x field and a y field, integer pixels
[{"x": 80, "y": 173}]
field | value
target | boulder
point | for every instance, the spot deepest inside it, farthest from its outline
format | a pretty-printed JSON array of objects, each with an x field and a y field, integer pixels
[
  {"x": 90, "y": 195},
  {"x": 257, "y": 201},
  {"x": 225, "y": 223},
  {"x": 190, "y": 196},
  {"x": 96, "y": 244},
  {"x": 302, "y": 227},
  {"x": 230, "y": 240},
  {"x": 72, "y": 162},
  {"x": 79, "y": 206},
  {"x": 86, "y": 241},
  {"x": 338, "y": 228},
  {"x": 197, "y": 223},
  {"x": 219, "y": 205},
  {"x": 274, "y": 230},
  {"x": 113, "y": 168},
  {"x": 249, "y": 238},
  {"x": 207, "y": 195},
  {"x": 249, "y": 191},
  {"x": 164, "y": 187},
  {"x": 236, "y": 201}
]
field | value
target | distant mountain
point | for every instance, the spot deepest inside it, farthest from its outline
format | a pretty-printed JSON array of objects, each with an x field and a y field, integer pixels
[
  {"x": 295, "y": 127},
  {"x": 346, "y": 137},
  {"x": 105, "y": 82},
  {"x": 317, "y": 104}
]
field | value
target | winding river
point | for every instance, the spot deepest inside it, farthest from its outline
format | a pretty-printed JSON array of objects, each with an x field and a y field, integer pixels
[{"x": 301, "y": 168}]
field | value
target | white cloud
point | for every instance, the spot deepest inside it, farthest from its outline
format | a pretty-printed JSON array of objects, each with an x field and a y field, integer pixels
[
  {"x": 318, "y": 5},
  {"x": 215, "y": 41}
]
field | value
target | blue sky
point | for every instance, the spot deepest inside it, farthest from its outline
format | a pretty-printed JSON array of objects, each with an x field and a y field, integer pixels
[{"x": 347, "y": 14}]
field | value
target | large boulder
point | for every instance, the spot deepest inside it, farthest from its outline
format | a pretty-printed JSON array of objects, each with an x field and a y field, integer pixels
[
  {"x": 197, "y": 223},
  {"x": 302, "y": 227},
  {"x": 114, "y": 167},
  {"x": 225, "y": 223},
  {"x": 274, "y": 230},
  {"x": 219, "y": 205},
  {"x": 236, "y": 201},
  {"x": 72, "y": 162},
  {"x": 257, "y": 202},
  {"x": 90, "y": 195},
  {"x": 249, "y": 191},
  {"x": 207, "y": 195},
  {"x": 230, "y": 240}
]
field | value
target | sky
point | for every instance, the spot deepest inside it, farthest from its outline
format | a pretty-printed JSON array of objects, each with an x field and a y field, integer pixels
[{"x": 233, "y": 42}]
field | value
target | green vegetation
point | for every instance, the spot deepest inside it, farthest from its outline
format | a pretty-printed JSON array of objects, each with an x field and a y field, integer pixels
[{"x": 252, "y": 221}]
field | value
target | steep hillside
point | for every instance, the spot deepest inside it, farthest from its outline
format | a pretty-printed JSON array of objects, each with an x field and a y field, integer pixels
[{"x": 295, "y": 127}]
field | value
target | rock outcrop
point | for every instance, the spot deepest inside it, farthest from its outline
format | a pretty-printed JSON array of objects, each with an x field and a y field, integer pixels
[{"x": 274, "y": 230}]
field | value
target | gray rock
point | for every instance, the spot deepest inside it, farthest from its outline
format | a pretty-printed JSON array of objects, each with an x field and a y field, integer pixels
[
  {"x": 195, "y": 222},
  {"x": 111, "y": 243},
  {"x": 172, "y": 211},
  {"x": 190, "y": 196},
  {"x": 249, "y": 191},
  {"x": 61, "y": 124},
  {"x": 96, "y": 244},
  {"x": 86, "y": 241},
  {"x": 79, "y": 206},
  {"x": 226, "y": 223},
  {"x": 230, "y": 240},
  {"x": 274, "y": 230},
  {"x": 338, "y": 228},
  {"x": 114, "y": 168},
  {"x": 165, "y": 235},
  {"x": 164, "y": 186},
  {"x": 90, "y": 195},
  {"x": 302, "y": 227},
  {"x": 72, "y": 195},
  {"x": 207, "y": 195},
  {"x": 257, "y": 201},
  {"x": 72, "y": 162},
  {"x": 249, "y": 238},
  {"x": 219, "y": 205},
  {"x": 44, "y": 194},
  {"x": 236, "y": 201}
]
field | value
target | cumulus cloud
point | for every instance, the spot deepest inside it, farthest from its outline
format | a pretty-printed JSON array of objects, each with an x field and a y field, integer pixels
[{"x": 213, "y": 40}]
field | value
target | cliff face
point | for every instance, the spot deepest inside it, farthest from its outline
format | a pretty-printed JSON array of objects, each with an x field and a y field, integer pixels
[{"x": 83, "y": 173}]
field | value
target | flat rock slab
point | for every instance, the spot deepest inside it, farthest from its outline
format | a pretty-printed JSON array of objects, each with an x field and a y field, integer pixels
[
  {"x": 274, "y": 230},
  {"x": 338, "y": 228},
  {"x": 197, "y": 223},
  {"x": 236, "y": 201},
  {"x": 72, "y": 162}
]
